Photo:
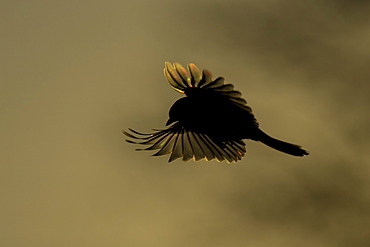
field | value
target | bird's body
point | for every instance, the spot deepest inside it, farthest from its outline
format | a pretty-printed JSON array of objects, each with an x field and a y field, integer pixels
[
  {"x": 210, "y": 122},
  {"x": 215, "y": 116}
]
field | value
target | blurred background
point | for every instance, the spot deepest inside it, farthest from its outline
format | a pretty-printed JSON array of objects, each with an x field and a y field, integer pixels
[{"x": 73, "y": 74}]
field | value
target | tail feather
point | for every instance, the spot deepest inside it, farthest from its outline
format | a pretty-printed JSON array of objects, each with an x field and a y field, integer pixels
[{"x": 282, "y": 146}]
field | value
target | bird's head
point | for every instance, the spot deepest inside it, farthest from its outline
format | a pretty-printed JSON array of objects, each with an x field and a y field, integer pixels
[{"x": 179, "y": 110}]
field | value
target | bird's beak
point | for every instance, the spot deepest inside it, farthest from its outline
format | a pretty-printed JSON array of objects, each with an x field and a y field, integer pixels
[{"x": 170, "y": 121}]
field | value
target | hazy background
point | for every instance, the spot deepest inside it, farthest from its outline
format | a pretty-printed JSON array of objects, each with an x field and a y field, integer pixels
[{"x": 73, "y": 74}]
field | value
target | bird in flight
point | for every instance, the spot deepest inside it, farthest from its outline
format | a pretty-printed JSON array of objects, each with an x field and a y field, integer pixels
[{"x": 210, "y": 122}]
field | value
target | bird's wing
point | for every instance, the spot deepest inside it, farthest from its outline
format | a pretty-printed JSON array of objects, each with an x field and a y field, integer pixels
[
  {"x": 181, "y": 79},
  {"x": 186, "y": 144}
]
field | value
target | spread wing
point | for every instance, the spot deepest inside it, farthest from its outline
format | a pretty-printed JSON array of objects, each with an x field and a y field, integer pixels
[
  {"x": 181, "y": 79},
  {"x": 183, "y": 143}
]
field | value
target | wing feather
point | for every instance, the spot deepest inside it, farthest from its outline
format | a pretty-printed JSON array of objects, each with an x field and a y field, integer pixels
[
  {"x": 175, "y": 78},
  {"x": 216, "y": 83},
  {"x": 206, "y": 78},
  {"x": 183, "y": 73},
  {"x": 196, "y": 75},
  {"x": 177, "y": 151},
  {"x": 186, "y": 144},
  {"x": 197, "y": 149}
]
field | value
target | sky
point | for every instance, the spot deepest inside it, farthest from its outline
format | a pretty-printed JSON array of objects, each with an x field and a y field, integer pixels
[{"x": 74, "y": 74}]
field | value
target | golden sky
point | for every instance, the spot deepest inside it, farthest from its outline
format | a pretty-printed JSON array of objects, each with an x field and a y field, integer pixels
[{"x": 73, "y": 74}]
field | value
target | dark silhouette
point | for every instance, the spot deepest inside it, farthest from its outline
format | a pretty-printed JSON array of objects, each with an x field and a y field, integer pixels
[{"x": 211, "y": 122}]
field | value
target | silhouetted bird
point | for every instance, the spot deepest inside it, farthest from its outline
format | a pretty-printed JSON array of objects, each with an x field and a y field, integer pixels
[{"x": 211, "y": 122}]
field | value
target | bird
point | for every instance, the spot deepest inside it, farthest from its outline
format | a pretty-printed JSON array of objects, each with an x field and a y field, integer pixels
[{"x": 210, "y": 122}]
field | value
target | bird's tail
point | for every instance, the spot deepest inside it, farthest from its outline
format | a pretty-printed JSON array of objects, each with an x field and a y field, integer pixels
[{"x": 285, "y": 147}]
